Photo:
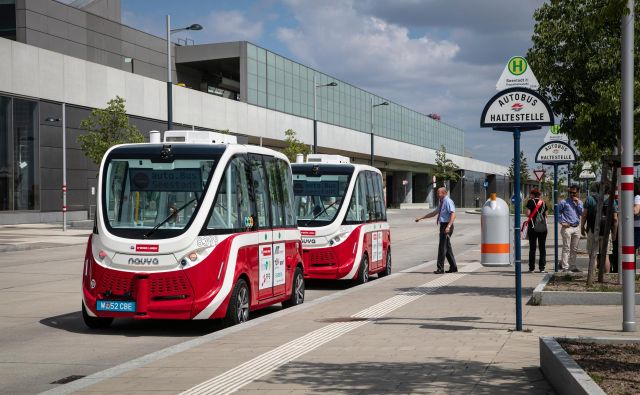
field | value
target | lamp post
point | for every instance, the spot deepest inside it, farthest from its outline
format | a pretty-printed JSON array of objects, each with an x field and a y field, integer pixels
[
  {"x": 315, "y": 120},
  {"x": 384, "y": 103},
  {"x": 170, "y": 31},
  {"x": 64, "y": 163}
]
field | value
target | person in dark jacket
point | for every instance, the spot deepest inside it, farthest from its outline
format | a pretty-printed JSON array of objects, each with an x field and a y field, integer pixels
[{"x": 537, "y": 232}]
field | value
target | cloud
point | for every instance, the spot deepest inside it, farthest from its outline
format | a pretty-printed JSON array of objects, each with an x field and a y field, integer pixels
[
  {"x": 232, "y": 25},
  {"x": 429, "y": 55}
]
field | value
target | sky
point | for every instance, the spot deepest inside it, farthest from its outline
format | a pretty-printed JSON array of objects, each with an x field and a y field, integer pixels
[{"x": 433, "y": 56}]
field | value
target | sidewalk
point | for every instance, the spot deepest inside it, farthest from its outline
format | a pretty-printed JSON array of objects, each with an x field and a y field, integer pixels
[
  {"x": 34, "y": 236},
  {"x": 412, "y": 332}
]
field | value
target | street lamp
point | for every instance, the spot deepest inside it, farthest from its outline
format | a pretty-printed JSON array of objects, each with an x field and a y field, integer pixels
[
  {"x": 64, "y": 163},
  {"x": 384, "y": 103},
  {"x": 170, "y": 31},
  {"x": 315, "y": 121}
]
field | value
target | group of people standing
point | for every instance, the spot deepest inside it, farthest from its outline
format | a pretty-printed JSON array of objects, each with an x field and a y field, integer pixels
[{"x": 574, "y": 217}]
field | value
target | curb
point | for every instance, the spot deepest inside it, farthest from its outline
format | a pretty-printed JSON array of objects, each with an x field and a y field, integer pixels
[
  {"x": 563, "y": 373},
  {"x": 541, "y": 297},
  {"x": 36, "y": 246}
]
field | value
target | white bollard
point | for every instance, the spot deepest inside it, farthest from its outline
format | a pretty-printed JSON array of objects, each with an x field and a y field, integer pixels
[{"x": 494, "y": 233}]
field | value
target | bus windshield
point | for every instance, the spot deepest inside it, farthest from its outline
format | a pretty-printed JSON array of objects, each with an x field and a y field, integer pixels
[
  {"x": 144, "y": 198},
  {"x": 318, "y": 198}
]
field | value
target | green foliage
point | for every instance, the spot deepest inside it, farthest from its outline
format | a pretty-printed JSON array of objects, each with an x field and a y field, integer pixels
[
  {"x": 576, "y": 56},
  {"x": 294, "y": 146},
  {"x": 445, "y": 170},
  {"x": 524, "y": 170},
  {"x": 106, "y": 128}
]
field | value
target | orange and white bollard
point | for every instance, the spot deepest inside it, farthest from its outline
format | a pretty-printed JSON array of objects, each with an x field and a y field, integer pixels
[{"x": 494, "y": 235}]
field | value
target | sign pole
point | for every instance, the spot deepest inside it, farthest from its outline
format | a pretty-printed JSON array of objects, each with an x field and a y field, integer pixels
[
  {"x": 555, "y": 214},
  {"x": 626, "y": 174},
  {"x": 516, "y": 218}
]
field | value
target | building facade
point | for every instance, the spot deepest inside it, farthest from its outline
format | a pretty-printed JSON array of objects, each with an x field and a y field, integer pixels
[{"x": 54, "y": 53}]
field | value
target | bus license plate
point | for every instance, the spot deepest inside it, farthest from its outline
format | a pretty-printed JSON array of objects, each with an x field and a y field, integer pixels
[{"x": 116, "y": 305}]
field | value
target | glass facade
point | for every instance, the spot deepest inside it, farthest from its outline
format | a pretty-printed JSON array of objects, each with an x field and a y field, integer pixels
[
  {"x": 19, "y": 175},
  {"x": 280, "y": 84}
]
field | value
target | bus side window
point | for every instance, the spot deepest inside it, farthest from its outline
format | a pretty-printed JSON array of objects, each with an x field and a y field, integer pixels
[
  {"x": 287, "y": 185},
  {"x": 275, "y": 192},
  {"x": 232, "y": 205},
  {"x": 260, "y": 191},
  {"x": 379, "y": 198},
  {"x": 358, "y": 206},
  {"x": 371, "y": 207}
]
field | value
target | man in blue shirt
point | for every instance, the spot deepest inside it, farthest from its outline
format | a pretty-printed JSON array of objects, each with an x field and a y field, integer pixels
[
  {"x": 570, "y": 211},
  {"x": 446, "y": 212}
]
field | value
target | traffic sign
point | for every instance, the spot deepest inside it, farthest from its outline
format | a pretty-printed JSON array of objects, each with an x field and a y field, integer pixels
[
  {"x": 517, "y": 74},
  {"x": 516, "y": 108},
  {"x": 554, "y": 134},
  {"x": 539, "y": 174},
  {"x": 485, "y": 184},
  {"x": 555, "y": 152}
]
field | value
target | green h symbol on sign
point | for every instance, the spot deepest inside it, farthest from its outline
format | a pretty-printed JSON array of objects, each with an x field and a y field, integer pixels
[{"x": 517, "y": 65}]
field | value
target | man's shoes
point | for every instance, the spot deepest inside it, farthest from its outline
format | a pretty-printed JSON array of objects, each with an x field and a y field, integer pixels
[
  {"x": 530, "y": 270},
  {"x": 452, "y": 271},
  {"x": 438, "y": 272},
  {"x": 565, "y": 270},
  {"x": 542, "y": 271},
  {"x": 576, "y": 270}
]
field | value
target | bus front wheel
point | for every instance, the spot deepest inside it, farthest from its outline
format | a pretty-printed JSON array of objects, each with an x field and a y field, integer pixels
[
  {"x": 297, "y": 290},
  {"x": 238, "y": 310},
  {"x": 363, "y": 271},
  {"x": 95, "y": 322}
]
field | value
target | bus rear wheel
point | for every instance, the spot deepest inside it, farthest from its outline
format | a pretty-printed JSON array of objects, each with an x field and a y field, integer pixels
[
  {"x": 95, "y": 322},
  {"x": 363, "y": 271},
  {"x": 297, "y": 290},
  {"x": 387, "y": 268},
  {"x": 238, "y": 310}
]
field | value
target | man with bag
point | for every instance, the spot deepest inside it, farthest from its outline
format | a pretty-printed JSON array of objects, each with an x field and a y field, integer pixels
[
  {"x": 570, "y": 211},
  {"x": 588, "y": 223},
  {"x": 536, "y": 229}
]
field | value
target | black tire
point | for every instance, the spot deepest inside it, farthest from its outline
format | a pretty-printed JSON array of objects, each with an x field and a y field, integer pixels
[
  {"x": 387, "y": 267},
  {"x": 238, "y": 309},
  {"x": 95, "y": 322},
  {"x": 363, "y": 270},
  {"x": 297, "y": 290}
]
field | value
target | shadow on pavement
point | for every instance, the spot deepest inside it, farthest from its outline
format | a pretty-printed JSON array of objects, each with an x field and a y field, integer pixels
[
  {"x": 439, "y": 375},
  {"x": 72, "y": 322}
]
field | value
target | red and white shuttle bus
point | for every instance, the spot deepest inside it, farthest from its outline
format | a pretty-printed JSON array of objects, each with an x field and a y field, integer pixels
[
  {"x": 342, "y": 219},
  {"x": 192, "y": 231}
]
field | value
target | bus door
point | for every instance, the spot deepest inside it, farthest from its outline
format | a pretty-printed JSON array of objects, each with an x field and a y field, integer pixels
[
  {"x": 262, "y": 263},
  {"x": 375, "y": 216},
  {"x": 281, "y": 197}
]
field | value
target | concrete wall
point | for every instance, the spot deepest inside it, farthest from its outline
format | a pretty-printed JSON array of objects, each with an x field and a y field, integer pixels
[{"x": 90, "y": 36}]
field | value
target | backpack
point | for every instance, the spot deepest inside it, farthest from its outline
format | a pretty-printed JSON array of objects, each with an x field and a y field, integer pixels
[{"x": 539, "y": 222}]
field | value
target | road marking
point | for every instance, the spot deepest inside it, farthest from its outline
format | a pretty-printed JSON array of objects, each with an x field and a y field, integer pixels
[
  {"x": 236, "y": 378},
  {"x": 189, "y": 344}
]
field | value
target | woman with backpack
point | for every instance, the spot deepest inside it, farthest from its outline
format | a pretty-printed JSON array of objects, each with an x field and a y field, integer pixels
[{"x": 537, "y": 232}]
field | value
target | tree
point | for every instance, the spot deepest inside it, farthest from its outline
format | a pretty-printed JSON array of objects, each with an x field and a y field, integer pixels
[
  {"x": 524, "y": 170},
  {"x": 446, "y": 170},
  {"x": 576, "y": 57},
  {"x": 294, "y": 146},
  {"x": 106, "y": 128}
]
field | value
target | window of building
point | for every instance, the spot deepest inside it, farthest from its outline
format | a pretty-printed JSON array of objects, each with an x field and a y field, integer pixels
[
  {"x": 6, "y": 155},
  {"x": 8, "y": 19}
]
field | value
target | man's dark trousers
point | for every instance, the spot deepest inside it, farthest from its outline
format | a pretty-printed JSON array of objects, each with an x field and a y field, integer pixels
[{"x": 444, "y": 249}]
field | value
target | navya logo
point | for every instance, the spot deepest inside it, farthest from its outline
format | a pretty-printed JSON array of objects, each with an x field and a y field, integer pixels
[
  {"x": 517, "y": 107},
  {"x": 143, "y": 261}
]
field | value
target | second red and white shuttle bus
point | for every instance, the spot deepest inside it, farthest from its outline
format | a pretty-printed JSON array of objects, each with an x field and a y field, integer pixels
[{"x": 342, "y": 219}]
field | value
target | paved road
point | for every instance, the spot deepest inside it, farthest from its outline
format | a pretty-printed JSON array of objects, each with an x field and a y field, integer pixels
[{"x": 43, "y": 338}]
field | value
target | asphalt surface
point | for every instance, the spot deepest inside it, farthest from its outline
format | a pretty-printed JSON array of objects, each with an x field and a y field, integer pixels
[{"x": 43, "y": 338}]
